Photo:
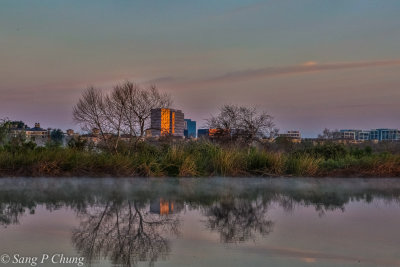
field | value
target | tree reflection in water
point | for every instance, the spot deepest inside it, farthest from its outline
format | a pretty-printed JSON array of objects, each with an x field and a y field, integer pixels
[
  {"x": 117, "y": 223},
  {"x": 238, "y": 220},
  {"x": 9, "y": 213},
  {"x": 125, "y": 233}
]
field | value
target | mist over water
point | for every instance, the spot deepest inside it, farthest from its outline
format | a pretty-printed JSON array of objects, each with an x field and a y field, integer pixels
[{"x": 203, "y": 222}]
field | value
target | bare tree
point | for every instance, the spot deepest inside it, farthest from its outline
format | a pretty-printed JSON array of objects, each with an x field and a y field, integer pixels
[
  {"x": 246, "y": 123},
  {"x": 328, "y": 134},
  {"x": 139, "y": 103},
  {"x": 114, "y": 114},
  {"x": 125, "y": 110},
  {"x": 90, "y": 112}
]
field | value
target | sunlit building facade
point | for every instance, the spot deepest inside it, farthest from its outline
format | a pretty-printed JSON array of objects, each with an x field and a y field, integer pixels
[{"x": 167, "y": 122}]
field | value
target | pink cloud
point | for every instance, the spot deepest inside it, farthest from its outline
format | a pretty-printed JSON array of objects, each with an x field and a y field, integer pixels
[{"x": 306, "y": 67}]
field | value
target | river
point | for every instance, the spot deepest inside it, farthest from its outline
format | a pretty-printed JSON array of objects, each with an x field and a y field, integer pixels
[{"x": 199, "y": 222}]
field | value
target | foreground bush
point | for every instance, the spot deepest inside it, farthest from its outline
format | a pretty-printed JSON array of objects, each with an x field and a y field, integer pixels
[{"x": 194, "y": 159}]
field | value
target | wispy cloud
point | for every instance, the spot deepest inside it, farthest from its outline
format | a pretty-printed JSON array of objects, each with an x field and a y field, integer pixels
[{"x": 310, "y": 66}]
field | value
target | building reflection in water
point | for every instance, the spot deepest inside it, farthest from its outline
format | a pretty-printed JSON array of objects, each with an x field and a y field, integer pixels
[
  {"x": 125, "y": 233},
  {"x": 164, "y": 207},
  {"x": 128, "y": 222}
]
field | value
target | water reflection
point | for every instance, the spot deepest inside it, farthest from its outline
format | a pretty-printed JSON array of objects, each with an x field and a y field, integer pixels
[
  {"x": 131, "y": 220},
  {"x": 125, "y": 232},
  {"x": 238, "y": 220}
]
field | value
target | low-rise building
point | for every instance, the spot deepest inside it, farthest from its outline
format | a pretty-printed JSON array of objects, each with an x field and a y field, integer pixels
[
  {"x": 291, "y": 134},
  {"x": 36, "y": 134},
  {"x": 382, "y": 134},
  {"x": 201, "y": 133},
  {"x": 346, "y": 134},
  {"x": 363, "y": 135},
  {"x": 214, "y": 133},
  {"x": 93, "y": 137},
  {"x": 385, "y": 134}
]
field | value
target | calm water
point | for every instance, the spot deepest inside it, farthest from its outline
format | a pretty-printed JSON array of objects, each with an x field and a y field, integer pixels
[{"x": 200, "y": 222}]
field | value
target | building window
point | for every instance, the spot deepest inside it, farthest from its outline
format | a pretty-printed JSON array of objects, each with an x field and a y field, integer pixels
[
  {"x": 173, "y": 122},
  {"x": 165, "y": 121}
]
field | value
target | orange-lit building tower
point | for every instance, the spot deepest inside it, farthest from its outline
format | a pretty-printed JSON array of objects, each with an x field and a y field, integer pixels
[{"x": 167, "y": 122}]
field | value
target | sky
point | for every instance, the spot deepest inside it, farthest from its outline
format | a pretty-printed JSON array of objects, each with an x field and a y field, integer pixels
[{"x": 312, "y": 64}]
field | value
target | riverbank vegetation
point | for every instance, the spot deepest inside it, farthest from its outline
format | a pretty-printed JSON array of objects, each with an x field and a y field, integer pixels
[
  {"x": 200, "y": 158},
  {"x": 244, "y": 142}
]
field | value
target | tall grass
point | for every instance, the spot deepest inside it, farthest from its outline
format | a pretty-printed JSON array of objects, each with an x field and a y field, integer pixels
[
  {"x": 303, "y": 165},
  {"x": 195, "y": 159}
]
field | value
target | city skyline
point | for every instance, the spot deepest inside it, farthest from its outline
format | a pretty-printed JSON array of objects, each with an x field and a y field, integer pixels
[{"x": 310, "y": 64}]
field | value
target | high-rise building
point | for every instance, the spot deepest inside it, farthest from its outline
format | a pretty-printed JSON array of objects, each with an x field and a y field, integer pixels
[
  {"x": 167, "y": 122},
  {"x": 190, "y": 128}
]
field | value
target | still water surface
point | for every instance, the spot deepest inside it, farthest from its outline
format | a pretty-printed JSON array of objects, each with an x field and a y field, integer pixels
[{"x": 202, "y": 222}]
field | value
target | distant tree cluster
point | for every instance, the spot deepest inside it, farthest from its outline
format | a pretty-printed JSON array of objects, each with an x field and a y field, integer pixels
[
  {"x": 17, "y": 141},
  {"x": 328, "y": 134},
  {"x": 57, "y": 136},
  {"x": 242, "y": 123},
  {"x": 4, "y": 130}
]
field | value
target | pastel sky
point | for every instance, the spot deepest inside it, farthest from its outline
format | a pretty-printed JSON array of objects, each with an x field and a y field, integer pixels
[{"x": 310, "y": 63}]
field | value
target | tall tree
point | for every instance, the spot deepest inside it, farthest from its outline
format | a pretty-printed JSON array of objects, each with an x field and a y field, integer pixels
[
  {"x": 125, "y": 110},
  {"x": 139, "y": 102},
  {"x": 90, "y": 113}
]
